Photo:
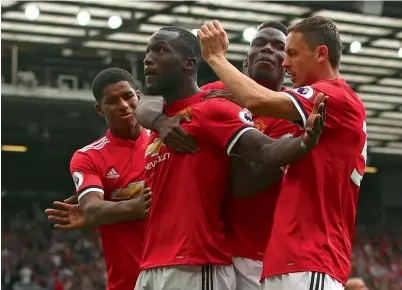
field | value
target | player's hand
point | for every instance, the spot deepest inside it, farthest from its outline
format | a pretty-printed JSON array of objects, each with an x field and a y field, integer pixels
[
  {"x": 316, "y": 121},
  {"x": 173, "y": 135},
  {"x": 213, "y": 39},
  {"x": 140, "y": 205},
  {"x": 67, "y": 217},
  {"x": 72, "y": 199}
]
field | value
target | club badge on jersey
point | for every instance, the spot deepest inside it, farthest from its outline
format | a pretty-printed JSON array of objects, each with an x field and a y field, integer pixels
[
  {"x": 78, "y": 178},
  {"x": 306, "y": 92},
  {"x": 246, "y": 117}
]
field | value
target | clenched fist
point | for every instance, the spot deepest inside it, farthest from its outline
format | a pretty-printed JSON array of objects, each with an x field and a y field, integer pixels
[{"x": 213, "y": 39}]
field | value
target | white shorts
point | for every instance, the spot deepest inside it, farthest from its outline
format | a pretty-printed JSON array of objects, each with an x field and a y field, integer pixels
[
  {"x": 248, "y": 273},
  {"x": 183, "y": 277},
  {"x": 301, "y": 281}
]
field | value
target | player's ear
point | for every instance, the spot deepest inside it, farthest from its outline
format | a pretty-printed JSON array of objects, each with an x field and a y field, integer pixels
[
  {"x": 99, "y": 110},
  {"x": 191, "y": 63},
  {"x": 322, "y": 53},
  {"x": 138, "y": 94}
]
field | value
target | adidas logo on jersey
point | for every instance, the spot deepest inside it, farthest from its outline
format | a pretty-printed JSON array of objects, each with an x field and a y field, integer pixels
[{"x": 112, "y": 174}]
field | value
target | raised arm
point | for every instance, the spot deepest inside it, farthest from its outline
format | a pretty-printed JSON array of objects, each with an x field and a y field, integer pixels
[{"x": 244, "y": 91}]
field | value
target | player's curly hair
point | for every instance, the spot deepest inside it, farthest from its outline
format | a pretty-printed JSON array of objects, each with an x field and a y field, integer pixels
[
  {"x": 107, "y": 77},
  {"x": 187, "y": 43},
  {"x": 318, "y": 30},
  {"x": 273, "y": 24}
]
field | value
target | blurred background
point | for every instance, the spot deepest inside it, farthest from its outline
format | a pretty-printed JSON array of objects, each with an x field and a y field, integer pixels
[{"x": 52, "y": 50}]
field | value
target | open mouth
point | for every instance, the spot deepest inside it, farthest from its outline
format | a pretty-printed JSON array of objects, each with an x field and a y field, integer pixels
[{"x": 150, "y": 79}]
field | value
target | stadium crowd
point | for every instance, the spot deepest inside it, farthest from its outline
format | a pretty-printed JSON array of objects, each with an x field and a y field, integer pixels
[{"x": 36, "y": 256}]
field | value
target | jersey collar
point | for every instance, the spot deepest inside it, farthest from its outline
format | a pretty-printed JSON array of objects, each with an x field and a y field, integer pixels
[
  {"x": 125, "y": 142},
  {"x": 179, "y": 105}
]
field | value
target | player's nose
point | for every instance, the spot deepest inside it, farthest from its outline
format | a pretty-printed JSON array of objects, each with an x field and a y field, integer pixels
[
  {"x": 148, "y": 60},
  {"x": 123, "y": 104},
  {"x": 267, "y": 49}
]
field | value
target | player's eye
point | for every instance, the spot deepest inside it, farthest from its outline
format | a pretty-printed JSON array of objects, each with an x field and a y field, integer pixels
[{"x": 257, "y": 43}]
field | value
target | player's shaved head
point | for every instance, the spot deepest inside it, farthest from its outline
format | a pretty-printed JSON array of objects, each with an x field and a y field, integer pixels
[
  {"x": 273, "y": 24},
  {"x": 107, "y": 77},
  {"x": 186, "y": 42}
]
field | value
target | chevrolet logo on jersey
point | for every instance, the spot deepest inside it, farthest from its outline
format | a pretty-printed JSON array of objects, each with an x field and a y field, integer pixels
[
  {"x": 154, "y": 147},
  {"x": 133, "y": 190}
]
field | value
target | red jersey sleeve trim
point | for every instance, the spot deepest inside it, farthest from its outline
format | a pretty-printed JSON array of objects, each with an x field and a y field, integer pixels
[
  {"x": 236, "y": 137},
  {"x": 89, "y": 188},
  {"x": 299, "y": 106}
]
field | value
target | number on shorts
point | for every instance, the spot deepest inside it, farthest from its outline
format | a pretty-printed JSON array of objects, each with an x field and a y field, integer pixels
[{"x": 356, "y": 176}]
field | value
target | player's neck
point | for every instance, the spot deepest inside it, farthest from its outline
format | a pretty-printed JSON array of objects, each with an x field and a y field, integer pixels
[
  {"x": 186, "y": 89},
  {"x": 128, "y": 133},
  {"x": 328, "y": 73},
  {"x": 270, "y": 84}
]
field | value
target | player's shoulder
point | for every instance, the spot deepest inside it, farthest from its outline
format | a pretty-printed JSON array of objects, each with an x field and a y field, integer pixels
[
  {"x": 97, "y": 145},
  {"x": 307, "y": 92},
  {"x": 93, "y": 149},
  {"x": 218, "y": 85}
]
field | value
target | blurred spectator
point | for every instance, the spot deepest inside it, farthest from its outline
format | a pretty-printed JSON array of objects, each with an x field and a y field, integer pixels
[{"x": 36, "y": 256}]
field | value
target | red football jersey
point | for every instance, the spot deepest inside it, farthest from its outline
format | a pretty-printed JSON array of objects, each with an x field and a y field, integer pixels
[
  {"x": 115, "y": 167},
  {"x": 218, "y": 85},
  {"x": 316, "y": 208},
  {"x": 184, "y": 225},
  {"x": 245, "y": 218},
  {"x": 248, "y": 222}
]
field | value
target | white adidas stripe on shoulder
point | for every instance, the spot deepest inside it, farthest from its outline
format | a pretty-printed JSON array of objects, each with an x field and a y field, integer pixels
[{"x": 97, "y": 145}]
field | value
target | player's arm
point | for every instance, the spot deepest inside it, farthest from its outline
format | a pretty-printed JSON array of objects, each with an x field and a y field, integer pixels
[
  {"x": 249, "y": 178},
  {"x": 150, "y": 115},
  {"x": 257, "y": 147},
  {"x": 89, "y": 189},
  {"x": 245, "y": 92},
  {"x": 149, "y": 112},
  {"x": 230, "y": 126},
  {"x": 249, "y": 94}
]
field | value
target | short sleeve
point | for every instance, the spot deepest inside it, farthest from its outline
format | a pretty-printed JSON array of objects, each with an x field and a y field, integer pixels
[
  {"x": 85, "y": 176},
  {"x": 303, "y": 99},
  {"x": 224, "y": 122}
]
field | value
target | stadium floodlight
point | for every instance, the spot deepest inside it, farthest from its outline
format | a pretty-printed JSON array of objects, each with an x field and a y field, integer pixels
[
  {"x": 400, "y": 52},
  {"x": 355, "y": 46},
  {"x": 83, "y": 18},
  {"x": 115, "y": 22},
  {"x": 194, "y": 31},
  {"x": 32, "y": 12},
  {"x": 249, "y": 34}
]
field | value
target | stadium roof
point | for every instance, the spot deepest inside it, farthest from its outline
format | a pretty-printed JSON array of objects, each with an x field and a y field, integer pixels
[{"x": 374, "y": 70}]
